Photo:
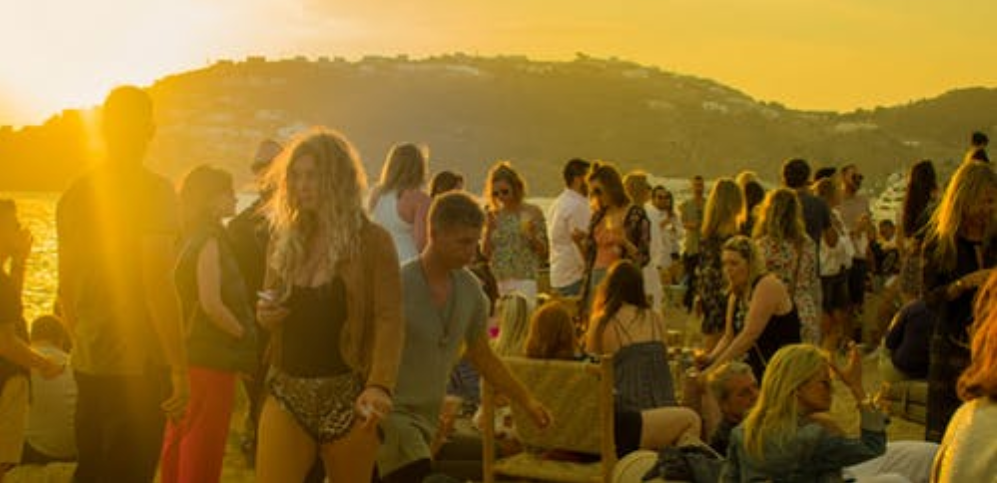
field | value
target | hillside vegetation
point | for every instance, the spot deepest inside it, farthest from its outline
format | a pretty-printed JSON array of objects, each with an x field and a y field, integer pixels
[{"x": 472, "y": 111}]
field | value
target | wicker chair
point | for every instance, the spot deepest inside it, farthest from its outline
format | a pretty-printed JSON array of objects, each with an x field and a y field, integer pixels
[
  {"x": 908, "y": 400},
  {"x": 581, "y": 399}
]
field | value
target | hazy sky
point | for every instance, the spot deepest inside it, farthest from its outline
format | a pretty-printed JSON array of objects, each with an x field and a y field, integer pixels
[{"x": 807, "y": 54}]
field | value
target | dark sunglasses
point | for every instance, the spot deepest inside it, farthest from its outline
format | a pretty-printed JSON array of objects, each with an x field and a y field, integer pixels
[
  {"x": 596, "y": 191},
  {"x": 501, "y": 192}
]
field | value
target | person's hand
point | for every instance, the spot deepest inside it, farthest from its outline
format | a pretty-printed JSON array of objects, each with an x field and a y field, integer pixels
[
  {"x": 237, "y": 332},
  {"x": 50, "y": 369},
  {"x": 176, "y": 405},
  {"x": 270, "y": 312},
  {"x": 373, "y": 405},
  {"x": 539, "y": 413},
  {"x": 702, "y": 360},
  {"x": 851, "y": 373}
]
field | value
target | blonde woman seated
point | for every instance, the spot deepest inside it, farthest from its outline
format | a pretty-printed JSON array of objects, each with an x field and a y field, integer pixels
[
  {"x": 625, "y": 327},
  {"x": 760, "y": 317},
  {"x": 512, "y": 322},
  {"x": 788, "y": 435}
]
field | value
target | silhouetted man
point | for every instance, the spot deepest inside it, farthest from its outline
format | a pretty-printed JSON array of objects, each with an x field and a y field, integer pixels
[{"x": 117, "y": 226}]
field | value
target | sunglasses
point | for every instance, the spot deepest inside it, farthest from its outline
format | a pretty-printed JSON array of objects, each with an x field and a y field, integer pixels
[
  {"x": 501, "y": 192},
  {"x": 596, "y": 191}
]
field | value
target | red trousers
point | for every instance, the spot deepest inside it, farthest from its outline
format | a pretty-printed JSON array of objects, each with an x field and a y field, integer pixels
[{"x": 193, "y": 447}]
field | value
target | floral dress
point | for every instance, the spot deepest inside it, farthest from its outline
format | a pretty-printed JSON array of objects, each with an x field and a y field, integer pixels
[
  {"x": 637, "y": 231},
  {"x": 710, "y": 285},
  {"x": 513, "y": 258},
  {"x": 796, "y": 267}
]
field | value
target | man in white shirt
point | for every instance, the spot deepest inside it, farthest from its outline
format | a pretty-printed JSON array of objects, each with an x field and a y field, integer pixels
[
  {"x": 568, "y": 219},
  {"x": 51, "y": 417}
]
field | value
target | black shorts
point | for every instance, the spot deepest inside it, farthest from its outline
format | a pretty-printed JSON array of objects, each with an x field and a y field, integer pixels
[
  {"x": 835, "y": 294},
  {"x": 856, "y": 281},
  {"x": 628, "y": 431}
]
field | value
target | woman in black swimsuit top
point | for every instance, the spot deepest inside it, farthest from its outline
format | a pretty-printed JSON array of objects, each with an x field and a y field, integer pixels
[{"x": 760, "y": 316}]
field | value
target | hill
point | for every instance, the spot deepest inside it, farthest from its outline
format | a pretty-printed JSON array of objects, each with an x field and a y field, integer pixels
[{"x": 472, "y": 111}]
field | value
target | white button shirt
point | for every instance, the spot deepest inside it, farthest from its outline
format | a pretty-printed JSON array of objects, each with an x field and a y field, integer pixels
[{"x": 570, "y": 211}]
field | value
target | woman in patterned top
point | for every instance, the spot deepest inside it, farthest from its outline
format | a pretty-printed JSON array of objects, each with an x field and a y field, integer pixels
[
  {"x": 722, "y": 210},
  {"x": 788, "y": 252},
  {"x": 515, "y": 241}
]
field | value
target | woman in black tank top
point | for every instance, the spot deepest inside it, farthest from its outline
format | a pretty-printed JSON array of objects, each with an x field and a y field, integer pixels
[{"x": 760, "y": 317}]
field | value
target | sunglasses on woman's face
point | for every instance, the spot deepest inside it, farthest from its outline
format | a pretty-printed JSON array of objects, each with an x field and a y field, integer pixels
[
  {"x": 501, "y": 192},
  {"x": 596, "y": 191}
]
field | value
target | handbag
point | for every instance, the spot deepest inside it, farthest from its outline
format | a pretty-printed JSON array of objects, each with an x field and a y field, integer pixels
[{"x": 697, "y": 463}]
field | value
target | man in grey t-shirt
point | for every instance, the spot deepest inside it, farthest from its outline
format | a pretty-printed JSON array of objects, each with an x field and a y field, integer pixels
[{"x": 444, "y": 310}]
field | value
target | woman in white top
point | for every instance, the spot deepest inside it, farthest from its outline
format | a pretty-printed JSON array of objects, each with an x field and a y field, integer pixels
[{"x": 398, "y": 203}]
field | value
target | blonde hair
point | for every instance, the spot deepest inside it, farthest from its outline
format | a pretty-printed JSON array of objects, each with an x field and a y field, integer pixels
[
  {"x": 782, "y": 218},
  {"x": 512, "y": 313},
  {"x": 405, "y": 168},
  {"x": 724, "y": 205},
  {"x": 747, "y": 250},
  {"x": 968, "y": 185},
  {"x": 774, "y": 418},
  {"x": 341, "y": 182},
  {"x": 504, "y": 171}
]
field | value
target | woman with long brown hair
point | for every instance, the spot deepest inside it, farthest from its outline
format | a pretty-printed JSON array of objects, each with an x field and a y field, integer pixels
[
  {"x": 722, "y": 211},
  {"x": 625, "y": 327},
  {"x": 787, "y": 250}
]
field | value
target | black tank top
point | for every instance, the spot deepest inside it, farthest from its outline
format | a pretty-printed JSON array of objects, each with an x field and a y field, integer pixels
[
  {"x": 780, "y": 331},
  {"x": 310, "y": 335}
]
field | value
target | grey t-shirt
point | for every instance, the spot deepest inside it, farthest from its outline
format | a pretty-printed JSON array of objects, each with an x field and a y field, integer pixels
[
  {"x": 433, "y": 343},
  {"x": 434, "y": 337}
]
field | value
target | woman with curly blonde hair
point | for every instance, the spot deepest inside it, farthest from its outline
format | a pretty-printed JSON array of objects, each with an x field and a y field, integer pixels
[
  {"x": 336, "y": 336},
  {"x": 959, "y": 251}
]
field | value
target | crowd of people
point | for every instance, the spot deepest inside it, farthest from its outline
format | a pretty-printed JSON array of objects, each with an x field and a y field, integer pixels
[{"x": 356, "y": 317}]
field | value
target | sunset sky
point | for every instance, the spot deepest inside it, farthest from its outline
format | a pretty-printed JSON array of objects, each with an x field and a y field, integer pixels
[{"x": 806, "y": 54}]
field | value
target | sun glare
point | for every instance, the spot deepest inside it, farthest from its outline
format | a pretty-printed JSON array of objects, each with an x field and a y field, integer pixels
[{"x": 73, "y": 58}]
